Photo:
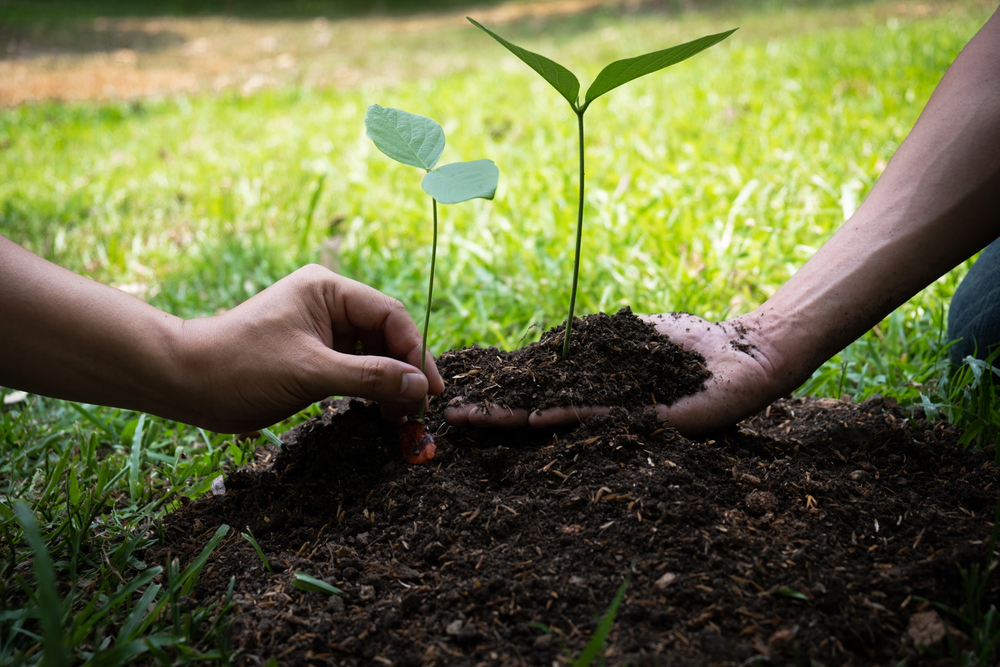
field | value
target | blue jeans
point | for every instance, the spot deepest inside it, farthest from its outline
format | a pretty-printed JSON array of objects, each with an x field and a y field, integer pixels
[{"x": 974, "y": 316}]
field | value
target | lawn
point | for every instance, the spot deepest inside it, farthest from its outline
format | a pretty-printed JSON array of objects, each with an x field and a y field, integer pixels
[{"x": 708, "y": 185}]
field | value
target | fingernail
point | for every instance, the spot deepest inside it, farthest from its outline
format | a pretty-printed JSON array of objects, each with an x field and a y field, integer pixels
[{"x": 414, "y": 386}]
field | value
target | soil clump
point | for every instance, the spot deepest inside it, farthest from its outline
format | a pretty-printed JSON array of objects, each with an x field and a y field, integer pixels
[{"x": 807, "y": 532}]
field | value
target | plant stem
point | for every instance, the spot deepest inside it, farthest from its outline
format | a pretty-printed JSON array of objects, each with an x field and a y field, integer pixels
[
  {"x": 579, "y": 240},
  {"x": 430, "y": 295}
]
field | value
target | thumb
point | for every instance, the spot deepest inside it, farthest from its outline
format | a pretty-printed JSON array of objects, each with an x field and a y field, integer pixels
[{"x": 376, "y": 378}]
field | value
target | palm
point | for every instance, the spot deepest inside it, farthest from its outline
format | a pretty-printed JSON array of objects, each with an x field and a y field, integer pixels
[{"x": 741, "y": 362}]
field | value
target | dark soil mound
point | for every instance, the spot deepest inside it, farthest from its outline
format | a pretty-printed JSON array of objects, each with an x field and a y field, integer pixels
[
  {"x": 810, "y": 531},
  {"x": 616, "y": 360}
]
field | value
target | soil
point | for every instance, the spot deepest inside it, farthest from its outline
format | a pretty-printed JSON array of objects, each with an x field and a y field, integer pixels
[
  {"x": 815, "y": 530},
  {"x": 616, "y": 360}
]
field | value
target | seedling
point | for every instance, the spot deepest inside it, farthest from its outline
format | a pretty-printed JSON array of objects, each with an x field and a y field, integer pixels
[
  {"x": 248, "y": 536},
  {"x": 616, "y": 74},
  {"x": 595, "y": 647},
  {"x": 419, "y": 141},
  {"x": 313, "y": 585}
]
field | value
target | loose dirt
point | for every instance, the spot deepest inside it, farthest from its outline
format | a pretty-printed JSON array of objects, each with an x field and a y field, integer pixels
[{"x": 816, "y": 530}]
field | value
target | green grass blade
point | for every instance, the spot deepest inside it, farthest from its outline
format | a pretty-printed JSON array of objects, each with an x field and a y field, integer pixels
[
  {"x": 122, "y": 654},
  {"x": 310, "y": 213},
  {"x": 89, "y": 416},
  {"x": 49, "y": 602},
  {"x": 55, "y": 481},
  {"x": 596, "y": 644},
  {"x": 308, "y": 583},
  {"x": 621, "y": 72},
  {"x": 189, "y": 577},
  {"x": 135, "y": 457},
  {"x": 248, "y": 536},
  {"x": 560, "y": 78},
  {"x": 108, "y": 607},
  {"x": 134, "y": 621}
]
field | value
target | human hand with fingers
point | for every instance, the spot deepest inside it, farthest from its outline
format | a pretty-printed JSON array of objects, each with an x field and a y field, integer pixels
[
  {"x": 311, "y": 335},
  {"x": 293, "y": 344}
]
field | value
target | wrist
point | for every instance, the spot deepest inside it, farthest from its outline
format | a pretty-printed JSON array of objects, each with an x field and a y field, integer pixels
[
  {"x": 779, "y": 341},
  {"x": 189, "y": 358}
]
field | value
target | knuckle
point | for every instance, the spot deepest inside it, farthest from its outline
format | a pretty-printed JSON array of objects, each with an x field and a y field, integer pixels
[
  {"x": 372, "y": 376},
  {"x": 314, "y": 275}
]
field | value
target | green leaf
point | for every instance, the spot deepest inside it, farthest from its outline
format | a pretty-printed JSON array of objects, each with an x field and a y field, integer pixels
[
  {"x": 558, "y": 76},
  {"x": 272, "y": 438},
  {"x": 405, "y": 137},
  {"x": 595, "y": 646},
  {"x": 462, "y": 181},
  {"x": 312, "y": 584},
  {"x": 248, "y": 536},
  {"x": 74, "y": 488},
  {"x": 134, "y": 460},
  {"x": 189, "y": 577},
  {"x": 790, "y": 593},
  {"x": 49, "y": 603},
  {"x": 621, "y": 72}
]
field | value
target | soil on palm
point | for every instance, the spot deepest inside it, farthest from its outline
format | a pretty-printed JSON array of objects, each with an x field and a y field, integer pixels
[{"x": 616, "y": 360}]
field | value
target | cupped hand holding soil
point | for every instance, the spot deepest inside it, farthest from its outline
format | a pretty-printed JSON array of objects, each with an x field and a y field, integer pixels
[
  {"x": 742, "y": 381},
  {"x": 697, "y": 375}
]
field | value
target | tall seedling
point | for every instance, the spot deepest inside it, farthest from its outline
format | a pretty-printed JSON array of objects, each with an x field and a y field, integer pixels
[
  {"x": 616, "y": 74},
  {"x": 419, "y": 141}
]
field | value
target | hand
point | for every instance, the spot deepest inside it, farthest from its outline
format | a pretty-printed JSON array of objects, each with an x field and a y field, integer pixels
[
  {"x": 296, "y": 343},
  {"x": 69, "y": 337},
  {"x": 743, "y": 381}
]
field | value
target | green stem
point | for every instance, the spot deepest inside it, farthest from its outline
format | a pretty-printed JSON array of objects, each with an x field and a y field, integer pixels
[
  {"x": 430, "y": 295},
  {"x": 579, "y": 241}
]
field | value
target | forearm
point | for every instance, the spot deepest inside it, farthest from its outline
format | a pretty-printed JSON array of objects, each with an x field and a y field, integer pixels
[
  {"x": 66, "y": 336},
  {"x": 936, "y": 204}
]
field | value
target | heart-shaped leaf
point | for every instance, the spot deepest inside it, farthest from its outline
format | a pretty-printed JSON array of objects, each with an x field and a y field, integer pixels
[
  {"x": 461, "y": 181},
  {"x": 561, "y": 78},
  {"x": 405, "y": 137},
  {"x": 621, "y": 72}
]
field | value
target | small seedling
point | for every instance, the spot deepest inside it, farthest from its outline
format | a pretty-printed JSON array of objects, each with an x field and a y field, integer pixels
[
  {"x": 248, "y": 536},
  {"x": 787, "y": 592},
  {"x": 595, "y": 647},
  {"x": 309, "y": 583},
  {"x": 418, "y": 141},
  {"x": 614, "y": 75}
]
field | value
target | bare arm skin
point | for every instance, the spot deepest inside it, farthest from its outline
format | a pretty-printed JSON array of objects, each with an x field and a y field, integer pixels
[
  {"x": 66, "y": 336},
  {"x": 936, "y": 204}
]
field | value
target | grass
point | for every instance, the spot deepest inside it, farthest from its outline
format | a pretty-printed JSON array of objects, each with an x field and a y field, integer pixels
[
  {"x": 708, "y": 187},
  {"x": 595, "y": 648}
]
